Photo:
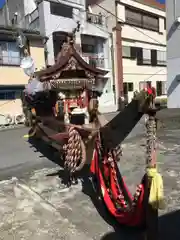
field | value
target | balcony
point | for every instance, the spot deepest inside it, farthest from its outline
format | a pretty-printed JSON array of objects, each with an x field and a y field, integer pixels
[
  {"x": 94, "y": 61},
  {"x": 32, "y": 20},
  {"x": 96, "y": 19}
]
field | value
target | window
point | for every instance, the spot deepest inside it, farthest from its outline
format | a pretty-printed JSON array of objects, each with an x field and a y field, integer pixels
[
  {"x": 62, "y": 10},
  {"x": 144, "y": 84},
  {"x": 7, "y": 95},
  {"x": 151, "y": 23},
  {"x": 9, "y": 53},
  {"x": 92, "y": 45},
  {"x": 58, "y": 39},
  {"x": 142, "y": 19},
  {"x": 133, "y": 17},
  {"x": 129, "y": 52},
  {"x": 128, "y": 87},
  {"x": 164, "y": 24},
  {"x": 161, "y": 58},
  {"x": 88, "y": 48},
  {"x": 146, "y": 56},
  {"x": 161, "y": 88},
  {"x": 126, "y": 51}
]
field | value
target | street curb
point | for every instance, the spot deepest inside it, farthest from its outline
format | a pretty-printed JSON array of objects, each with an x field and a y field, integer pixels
[{"x": 11, "y": 127}]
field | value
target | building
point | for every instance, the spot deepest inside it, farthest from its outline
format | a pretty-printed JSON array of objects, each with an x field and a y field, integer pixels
[
  {"x": 173, "y": 53},
  {"x": 143, "y": 34},
  {"x": 12, "y": 77},
  {"x": 55, "y": 19},
  {"x": 138, "y": 33}
]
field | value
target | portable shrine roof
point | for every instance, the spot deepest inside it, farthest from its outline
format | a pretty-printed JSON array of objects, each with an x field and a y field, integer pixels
[{"x": 69, "y": 60}]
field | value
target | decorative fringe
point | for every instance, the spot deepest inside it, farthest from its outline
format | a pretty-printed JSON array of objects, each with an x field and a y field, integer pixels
[
  {"x": 31, "y": 134},
  {"x": 156, "y": 196}
]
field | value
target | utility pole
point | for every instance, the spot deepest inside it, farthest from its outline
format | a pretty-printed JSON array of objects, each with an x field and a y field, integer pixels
[{"x": 119, "y": 63}]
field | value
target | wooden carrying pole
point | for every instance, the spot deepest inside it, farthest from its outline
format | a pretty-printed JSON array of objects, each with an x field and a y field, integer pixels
[{"x": 151, "y": 214}]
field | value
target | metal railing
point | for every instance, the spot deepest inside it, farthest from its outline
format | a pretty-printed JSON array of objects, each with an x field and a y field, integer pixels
[
  {"x": 95, "y": 61},
  {"x": 96, "y": 19}
]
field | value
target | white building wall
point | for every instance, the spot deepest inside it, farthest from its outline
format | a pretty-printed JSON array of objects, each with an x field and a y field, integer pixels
[
  {"x": 50, "y": 23},
  {"x": 107, "y": 101},
  {"x": 173, "y": 53},
  {"x": 138, "y": 37}
]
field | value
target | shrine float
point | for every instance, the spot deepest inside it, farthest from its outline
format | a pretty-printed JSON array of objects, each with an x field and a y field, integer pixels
[
  {"x": 62, "y": 102},
  {"x": 62, "y": 105}
]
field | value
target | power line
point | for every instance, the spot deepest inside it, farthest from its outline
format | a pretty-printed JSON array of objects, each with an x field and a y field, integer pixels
[
  {"x": 125, "y": 22},
  {"x": 79, "y": 17}
]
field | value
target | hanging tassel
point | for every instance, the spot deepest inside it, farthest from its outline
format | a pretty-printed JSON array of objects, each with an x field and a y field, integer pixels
[
  {"x": 156, "y": 195},
  {"x": 31, "y": 134}
]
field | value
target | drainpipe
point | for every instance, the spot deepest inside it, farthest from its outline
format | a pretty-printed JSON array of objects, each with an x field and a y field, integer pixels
[
  {"x": 113, "y": 67},
  {"x": 118, "y": 32},
  {"x": 174, "y": 10}
]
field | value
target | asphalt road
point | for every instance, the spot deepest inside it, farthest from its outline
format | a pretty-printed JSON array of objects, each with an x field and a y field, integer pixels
[
  {"x": 17, "y": 155},
  {"x": 38, "y": 190}
]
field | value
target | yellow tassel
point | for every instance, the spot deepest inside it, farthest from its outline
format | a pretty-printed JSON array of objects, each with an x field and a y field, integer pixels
[
  {"x": 31, "y": 134},
  {"x": 156, "y": 195}
]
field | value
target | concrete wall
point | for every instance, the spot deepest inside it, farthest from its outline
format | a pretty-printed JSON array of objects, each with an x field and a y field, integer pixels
[
  {"x": 2, "y": 17},
  {"x": 51, "y": 23},
  {"x": 14, "y": 76},
  {"x": 107, "y": 101},
  {"x": 17, "y": 6},
  {"x": 173, "y": 53},
  {"x": 138, "y": 37}
]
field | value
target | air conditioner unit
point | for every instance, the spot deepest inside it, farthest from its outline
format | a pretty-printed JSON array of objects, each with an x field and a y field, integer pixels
[
  {"x": 2, "y": 120},
  {"x": 19, "y": 118},
  {"x": 9, "y": 120}
]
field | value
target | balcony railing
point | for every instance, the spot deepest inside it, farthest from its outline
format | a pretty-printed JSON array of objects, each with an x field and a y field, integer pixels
[
  {"x": 31, "y": 18},
  {"x": 34, "y": 15},
  {"x": 34, "y": 25},
  {"x": 95, "y": 61},
  {"x": 96, "y": 19}
]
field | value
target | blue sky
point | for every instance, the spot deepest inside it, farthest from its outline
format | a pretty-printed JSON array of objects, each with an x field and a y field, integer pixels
[{"x": 2, "y": 2}]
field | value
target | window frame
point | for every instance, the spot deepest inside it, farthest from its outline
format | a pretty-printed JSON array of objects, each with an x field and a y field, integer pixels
[
  {"x": 145, "y": 83},
  {"x": 163, "y": 88},
  {"x": 54, "y": 6},
  {"x": 132, "y": 52},
  {"x": 9, "y": 56},
  {"x": 159, "y": 62},
  {"x": 148, "y": 60},
  {"x": 128, "y": 87},
  {"x": 129, "y": 52},
  {"x": 6, "y": 93},
  {"x": 142, "y": 14}
]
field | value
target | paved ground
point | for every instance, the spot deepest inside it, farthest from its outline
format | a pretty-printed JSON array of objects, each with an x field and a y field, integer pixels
[{"x": 35, "y": 205}]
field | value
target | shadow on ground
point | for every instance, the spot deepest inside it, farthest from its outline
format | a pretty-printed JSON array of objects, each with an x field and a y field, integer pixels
[
  {"x": 168, "y": 228},
  {"x": 168, "y": 223},
  {"x": 87, "y": 188}
]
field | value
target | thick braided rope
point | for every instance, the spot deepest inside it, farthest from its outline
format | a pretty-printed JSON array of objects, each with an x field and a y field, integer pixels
[
  {"x": 73, "y": 150},
  {"x": 151, "y": 139},
  {"x": 123, "y": 204}
]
